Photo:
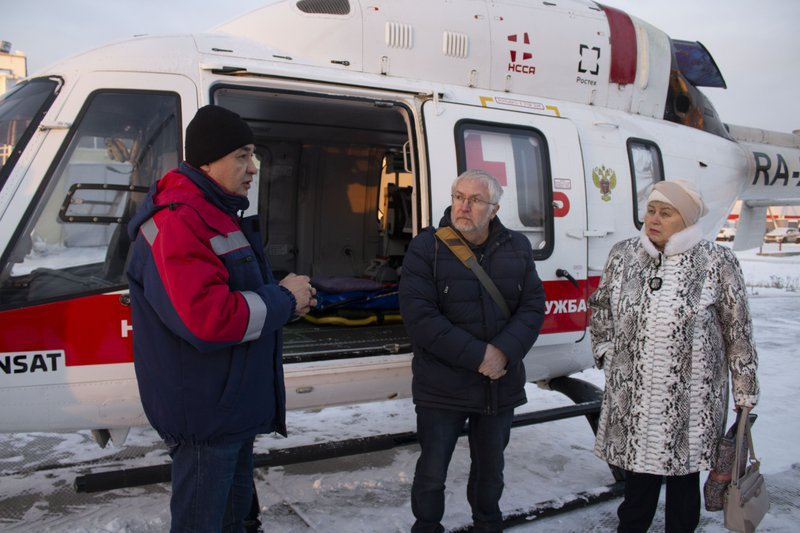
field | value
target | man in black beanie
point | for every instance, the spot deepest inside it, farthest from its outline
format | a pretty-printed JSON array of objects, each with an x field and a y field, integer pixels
[{"x": 207, "y": 318}]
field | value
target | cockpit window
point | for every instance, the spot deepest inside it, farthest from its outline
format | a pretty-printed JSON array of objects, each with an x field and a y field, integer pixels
[
  {"x": 697, "y": 65},
  {"x": 692, "y": 67},
  {"x": 21, "y": 111},
  {"x": 74, "y": 241}
]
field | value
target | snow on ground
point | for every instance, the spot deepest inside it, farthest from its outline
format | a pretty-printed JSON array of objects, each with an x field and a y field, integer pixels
[{"x": 370, "y": 492}]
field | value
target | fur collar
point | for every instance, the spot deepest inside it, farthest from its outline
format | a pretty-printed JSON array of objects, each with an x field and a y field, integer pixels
[{"x": 680, "y": 242}]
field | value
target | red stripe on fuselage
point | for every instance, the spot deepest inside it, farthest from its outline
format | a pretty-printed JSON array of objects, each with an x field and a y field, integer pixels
[
  {"x": 623, "y": 46},
  {"x": 91, "y": 330},
  {"x": 567, "y": 309},
  {"x": 96, "y": 330}
]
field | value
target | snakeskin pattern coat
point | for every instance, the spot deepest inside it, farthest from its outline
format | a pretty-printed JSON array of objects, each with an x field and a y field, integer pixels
[{"x": 668, "y": 329}]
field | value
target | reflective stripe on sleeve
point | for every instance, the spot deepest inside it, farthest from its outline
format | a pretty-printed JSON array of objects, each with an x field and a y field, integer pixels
[
  {"x": 258, "y": 314},
  {"x": 149, "y": 230},
  {"x": 223, "y": 244}
]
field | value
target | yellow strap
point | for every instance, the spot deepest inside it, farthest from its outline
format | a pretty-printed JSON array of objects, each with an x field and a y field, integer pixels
[
  {"x": 344, "y": 321},
  {"x": 460, "y": 249},
  {"x": 453, "y": 241}
]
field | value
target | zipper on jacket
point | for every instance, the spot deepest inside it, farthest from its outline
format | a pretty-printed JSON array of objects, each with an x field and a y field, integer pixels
[{"x": 491, "y": 397}]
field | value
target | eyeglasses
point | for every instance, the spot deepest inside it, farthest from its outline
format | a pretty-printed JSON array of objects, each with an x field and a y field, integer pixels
[{"x": 459, "y": 199}]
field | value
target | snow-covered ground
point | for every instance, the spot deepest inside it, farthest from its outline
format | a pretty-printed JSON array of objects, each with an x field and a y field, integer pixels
[{"x": 369, "y": 492}]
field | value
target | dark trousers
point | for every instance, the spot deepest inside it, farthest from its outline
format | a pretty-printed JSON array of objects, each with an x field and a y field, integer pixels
[
  {"x": 438, "y": 431},
  {"x": 682, "y": 508},
  {"x": 212, "y": 486}
]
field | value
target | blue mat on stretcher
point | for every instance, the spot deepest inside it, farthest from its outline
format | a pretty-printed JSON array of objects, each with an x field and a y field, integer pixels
[{"x": 335, "y": 293}]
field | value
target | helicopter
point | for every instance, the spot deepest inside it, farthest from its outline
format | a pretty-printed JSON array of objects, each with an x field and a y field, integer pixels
[{"x": 363, "y": 113}]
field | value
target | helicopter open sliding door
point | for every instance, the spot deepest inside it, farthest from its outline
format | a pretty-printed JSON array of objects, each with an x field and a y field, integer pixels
[{"x": 538, "y": 162}]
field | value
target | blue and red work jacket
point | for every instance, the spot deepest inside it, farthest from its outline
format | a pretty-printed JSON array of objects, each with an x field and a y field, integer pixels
[{"x": 207, "y": 314}]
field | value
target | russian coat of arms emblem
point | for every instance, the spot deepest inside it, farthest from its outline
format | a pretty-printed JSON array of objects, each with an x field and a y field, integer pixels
[{"x": 604, "y": 179}]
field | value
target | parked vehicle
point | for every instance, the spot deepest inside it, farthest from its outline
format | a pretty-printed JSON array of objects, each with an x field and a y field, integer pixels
[
  {"x": 726, "y": 233},
  {"x": 781, "y": 235}
]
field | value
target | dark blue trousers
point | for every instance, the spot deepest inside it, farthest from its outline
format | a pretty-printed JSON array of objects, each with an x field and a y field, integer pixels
[
  {"x": 438, "y": 431},
  {"x": 212, "y": 486}
]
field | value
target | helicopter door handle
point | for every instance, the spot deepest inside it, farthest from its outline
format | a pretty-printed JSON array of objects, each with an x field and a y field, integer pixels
[{"x": 561, "y": 273}]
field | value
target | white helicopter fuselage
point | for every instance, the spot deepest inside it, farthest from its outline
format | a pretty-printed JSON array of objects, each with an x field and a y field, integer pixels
[{"x": 362, "y": 120}]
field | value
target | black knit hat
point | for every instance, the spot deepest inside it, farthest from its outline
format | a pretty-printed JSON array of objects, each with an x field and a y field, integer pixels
[{"x": 213, "y": 133}]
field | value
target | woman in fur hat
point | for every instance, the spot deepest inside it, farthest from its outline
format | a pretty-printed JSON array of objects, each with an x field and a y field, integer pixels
[{"x": 670, "y": 324}]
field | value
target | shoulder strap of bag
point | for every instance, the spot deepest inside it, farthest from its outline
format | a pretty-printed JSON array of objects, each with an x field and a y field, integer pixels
[
  {"x": 453, "y": 240},
  {"x": 744, "y": 426}
]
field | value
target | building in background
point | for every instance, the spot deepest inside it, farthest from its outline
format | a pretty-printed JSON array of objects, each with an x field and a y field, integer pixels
[
  {"x": 783, "y": 216},
  {"x": 13, "y": 66}
]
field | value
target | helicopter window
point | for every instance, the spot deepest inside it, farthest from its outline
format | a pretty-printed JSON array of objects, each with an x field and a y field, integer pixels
[
  {"x": 75, "y": 239},
  {"x": 324, "y": 7},
  {"x": 518, "y": 158},
  {"x": 646, "y": 169},
  {"x": 697, "y": 65},
  {"x": 21, "y": 110}
]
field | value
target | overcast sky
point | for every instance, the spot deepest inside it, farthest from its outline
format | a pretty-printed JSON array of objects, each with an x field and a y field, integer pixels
[{"x": 754, "y": 43}]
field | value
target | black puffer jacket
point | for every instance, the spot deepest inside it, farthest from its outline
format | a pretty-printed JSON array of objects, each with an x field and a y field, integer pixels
[{"x": 451, "y": 317}]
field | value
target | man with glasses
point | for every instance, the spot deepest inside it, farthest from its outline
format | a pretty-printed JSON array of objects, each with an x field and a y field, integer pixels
[{"x": 469, "y": 338}]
